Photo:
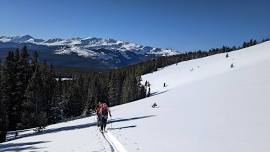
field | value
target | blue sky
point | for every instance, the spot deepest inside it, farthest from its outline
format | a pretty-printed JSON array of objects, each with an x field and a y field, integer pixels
[{"x": 179, "y": 24}]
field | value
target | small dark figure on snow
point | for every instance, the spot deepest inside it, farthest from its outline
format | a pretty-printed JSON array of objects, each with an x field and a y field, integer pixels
[
  {"x": 16, "y": 134},
  {"x": 227, "y": 55},
  {"x": 102, "y": 112},
  {"x": 149, "y": 92},
  {"x": 146, "y": 83},
  {"x": 154, "y": 105},
  {"x": 232, "y": 65},
  {"x": 164, "y": 84}
]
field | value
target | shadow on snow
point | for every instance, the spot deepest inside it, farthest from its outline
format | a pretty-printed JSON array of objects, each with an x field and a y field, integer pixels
[
  {"x": 125, "y": 127},
  {"x": 157, "y": 93},
  {"x": 29, "y": 146},
  {"x": 82, "y": 126}
]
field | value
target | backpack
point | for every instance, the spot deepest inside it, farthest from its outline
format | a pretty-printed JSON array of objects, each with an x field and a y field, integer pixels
[{"x": 104, "y": 109}]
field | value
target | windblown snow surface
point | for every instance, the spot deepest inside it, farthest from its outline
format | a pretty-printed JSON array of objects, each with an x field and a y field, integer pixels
[{"x": 207, "y": 106}]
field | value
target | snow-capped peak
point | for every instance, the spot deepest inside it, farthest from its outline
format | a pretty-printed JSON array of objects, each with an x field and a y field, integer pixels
[
  {"x": 86, "y": 46},
  {"x": 20, "y": 39}
]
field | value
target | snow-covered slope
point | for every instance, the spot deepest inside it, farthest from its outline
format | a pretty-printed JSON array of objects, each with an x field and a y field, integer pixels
[{"x": 207, "y": 106}]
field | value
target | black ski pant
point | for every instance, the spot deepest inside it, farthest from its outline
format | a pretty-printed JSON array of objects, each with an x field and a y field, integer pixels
[{"x": 103, "y": 122}]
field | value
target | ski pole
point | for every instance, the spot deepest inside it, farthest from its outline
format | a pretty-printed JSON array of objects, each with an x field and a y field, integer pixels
[{"x": 111, "y": 121}]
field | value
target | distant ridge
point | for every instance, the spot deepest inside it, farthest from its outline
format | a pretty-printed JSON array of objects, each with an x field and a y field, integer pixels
[{"x": 85, "y": 52}]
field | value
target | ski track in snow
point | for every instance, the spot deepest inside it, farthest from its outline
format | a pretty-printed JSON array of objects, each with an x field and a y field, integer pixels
[
  {"x": 111, "y": 146},
  {"x": 114, "y": 143}
]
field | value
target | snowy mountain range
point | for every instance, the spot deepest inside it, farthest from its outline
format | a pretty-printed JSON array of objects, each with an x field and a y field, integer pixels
[{"x": 84, "y": 52}]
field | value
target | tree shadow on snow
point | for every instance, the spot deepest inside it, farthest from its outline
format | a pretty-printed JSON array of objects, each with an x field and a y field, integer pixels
[
  {"x": 125, "y": 127},
  {"x": 29, "y": 146},
  {"x": 82, "y": 126},
  {"x": 157, "y": 93},
  {"x": 128, "y": 119}
]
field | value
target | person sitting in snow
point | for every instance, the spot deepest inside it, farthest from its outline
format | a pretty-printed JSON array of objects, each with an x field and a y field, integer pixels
[
  {"x": 102, "y": 113},
  {"x": 154, "y": 105}
]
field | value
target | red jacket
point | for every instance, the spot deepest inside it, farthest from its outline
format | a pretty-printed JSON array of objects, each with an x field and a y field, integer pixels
[{"x": 101, "y": 108}]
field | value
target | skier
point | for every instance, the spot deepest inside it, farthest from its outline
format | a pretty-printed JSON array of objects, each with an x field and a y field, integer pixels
[
  {"x": 102, "y": 113},
  {"x": 98, "y": 113}
]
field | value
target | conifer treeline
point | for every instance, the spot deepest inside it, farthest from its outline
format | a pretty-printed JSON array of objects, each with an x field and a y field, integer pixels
[
  {"x": 32, "y": 95},
  {"x": 26, "y": 91}
]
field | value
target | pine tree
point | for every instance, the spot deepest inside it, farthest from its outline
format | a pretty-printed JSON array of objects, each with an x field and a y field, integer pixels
[
  {"x": 129, "y": 90},
  {"x": 55, "y": 112},
  {"x": 14, "y": 82},
  {"x": 3, "y": 121},
  {"x": 3, "y": 112},
  {"x": 49, "y": 84},
  {"x": 67, "y": 100},
  {"x": 141, "y": 88},
  {"x": 35, "y": 107},
  {"x": 22, "y": 78},
  {"x": 91, "y": 99},
  {"x": 115, "y": 88},
  {"x": 73, "y": 102},
  {"x": 9, "y": 90}
]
